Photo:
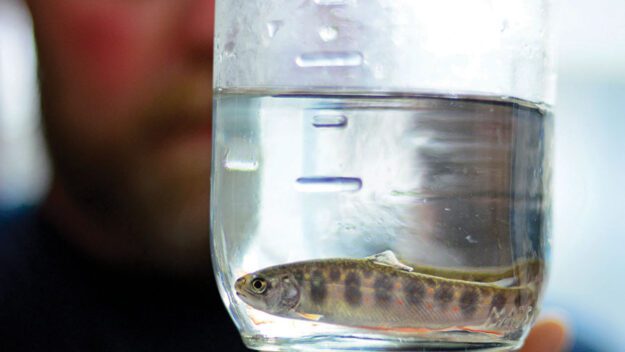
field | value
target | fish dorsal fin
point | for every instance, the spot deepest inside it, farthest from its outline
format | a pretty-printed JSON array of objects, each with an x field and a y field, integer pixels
[
  {"x": 506, "y": 282},
  {"x": 388, "y": 258}
]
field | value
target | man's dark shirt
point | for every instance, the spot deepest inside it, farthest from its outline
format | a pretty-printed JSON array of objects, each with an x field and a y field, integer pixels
[{"x": 54, "y": 298}]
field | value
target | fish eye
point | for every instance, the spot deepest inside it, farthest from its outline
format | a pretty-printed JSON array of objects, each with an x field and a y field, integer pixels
[{"x": 259, "y": 285}]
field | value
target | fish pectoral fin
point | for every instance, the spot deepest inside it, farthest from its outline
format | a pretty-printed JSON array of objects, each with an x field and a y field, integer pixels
[
  {"x": 310, "y": 316},
  {"x": 388, "y": 258}
]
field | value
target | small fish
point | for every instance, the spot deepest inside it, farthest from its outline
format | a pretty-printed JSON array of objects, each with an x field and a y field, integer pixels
[{"x": 379, "y": 292}]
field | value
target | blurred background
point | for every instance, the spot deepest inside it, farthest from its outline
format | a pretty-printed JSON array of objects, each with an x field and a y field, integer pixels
[{"x": 585, "y": 286}]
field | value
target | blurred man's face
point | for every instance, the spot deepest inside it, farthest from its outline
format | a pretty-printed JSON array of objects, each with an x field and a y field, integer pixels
[{"x": 126, "y": 93}]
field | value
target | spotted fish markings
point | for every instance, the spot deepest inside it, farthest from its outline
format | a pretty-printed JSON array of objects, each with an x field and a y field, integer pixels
[
  {"x": 383, "y": 287},
  {"x": 318, "y": 290},
  {"x": 468, "y": 301},
  {"x": 357, "y": 292},
  {"x": 414, "y": 291},
  {"x": 444, "y": 295},
  {"x": 335, "y": 274},
  {"x": 353, "y": 295}
]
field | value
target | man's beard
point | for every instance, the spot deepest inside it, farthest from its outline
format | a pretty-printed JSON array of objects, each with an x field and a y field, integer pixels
[{"x": 151, "y": 186}]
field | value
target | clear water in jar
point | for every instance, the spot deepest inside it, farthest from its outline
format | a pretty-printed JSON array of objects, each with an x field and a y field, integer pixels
[{"x": 455, "y": 186}]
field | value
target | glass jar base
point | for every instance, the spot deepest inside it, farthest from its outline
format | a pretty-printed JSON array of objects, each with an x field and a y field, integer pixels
[{"x": 362, "y": 343}]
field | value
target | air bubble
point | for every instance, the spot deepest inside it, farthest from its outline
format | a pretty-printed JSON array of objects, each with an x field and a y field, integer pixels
[
  {"x": 328, "y": 33},
  {"x": 471, "y": 239},
  {"x": 273, "y": 27}
]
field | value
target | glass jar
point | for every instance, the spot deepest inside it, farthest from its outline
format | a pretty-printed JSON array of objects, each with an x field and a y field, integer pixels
[{"x": 381, "y": 171}]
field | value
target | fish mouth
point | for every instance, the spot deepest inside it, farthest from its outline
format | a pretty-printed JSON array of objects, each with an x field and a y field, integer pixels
[
  {"x": 242, "y": 296},
  {"x": 239, "y": 286}
]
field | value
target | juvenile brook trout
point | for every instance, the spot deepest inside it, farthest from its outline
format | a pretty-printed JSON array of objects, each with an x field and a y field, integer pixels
[{"x": 379, "y": 292}]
